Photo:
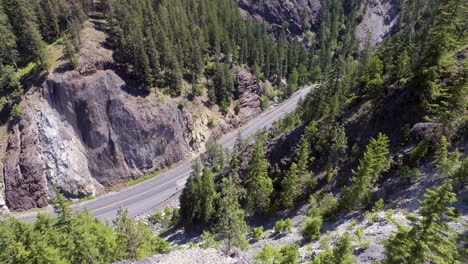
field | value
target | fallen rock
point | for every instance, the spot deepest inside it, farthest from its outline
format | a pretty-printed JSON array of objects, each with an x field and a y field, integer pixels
[{"x": 421, "y": 131}]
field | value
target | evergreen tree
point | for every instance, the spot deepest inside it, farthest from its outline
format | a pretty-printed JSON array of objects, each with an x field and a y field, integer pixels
[
  {"x": 374, "y": 162},
  {"x": 340, "y": 254},
  {"x": 208, "y": 193},
  {"x": 427, "y": 239},
  {"x": 70, "y": 53},
  {"x": 290, "y": 187},
  {"x": 231, "y": 226},
  {"x": 259, "y": 185},
  {"x": 8, "y": 52}
]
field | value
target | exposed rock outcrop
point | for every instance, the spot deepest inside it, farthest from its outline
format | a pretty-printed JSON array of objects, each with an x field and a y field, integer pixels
[
  {"x": 378, "y": 20},
  {"x": 249, "y": 92},
  {"x": 82, "y": 132},
  {"x": 87, "y": 132},
  {"x": 276, "y": 13}
]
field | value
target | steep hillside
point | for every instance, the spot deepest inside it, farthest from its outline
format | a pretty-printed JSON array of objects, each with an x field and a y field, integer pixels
[
  {"x": 82, "y": 132},
  {"x": 293, "y": 16}
]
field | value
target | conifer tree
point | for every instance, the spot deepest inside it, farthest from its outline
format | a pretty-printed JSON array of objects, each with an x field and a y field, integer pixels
[
  {"x": 290, "y": 187},
  {"x": 340, "y": 254},
  {"x": 208, "y": 193},
  {"x": 70, "y": 53},
  {"x": 8, "y": 52},
  {"x": 374, "y": 162},
  {"x": 231, "y": 226},
  {"x": 259, "y": 185},
  {"x": 427, "y": 239}
]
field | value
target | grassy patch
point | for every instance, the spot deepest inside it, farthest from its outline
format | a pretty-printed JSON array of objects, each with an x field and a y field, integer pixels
[
  {"x": 84, "y": 199},
  {"x": 144, "y": 178}
]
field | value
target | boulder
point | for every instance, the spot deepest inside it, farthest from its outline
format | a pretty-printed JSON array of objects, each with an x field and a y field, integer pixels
[{"x": 421, "y": 131}]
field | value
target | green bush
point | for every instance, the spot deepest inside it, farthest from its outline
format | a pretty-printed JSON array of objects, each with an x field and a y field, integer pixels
[
  {"x": 289, "y": 254},
  {"x": 237, "y": 108},
  {"x": 265, "y": 103},
  {"x": 156, "y": 218},
  {"x": 16, "y": 112},
  {"x": 421, "y": 150},
  {"x": 181, "y": 105},
  {"x": 283, "y": 226},
  {"x": 208, "y": 240},
  {"x": 311, "y": 228},
  {"x": 257, "y": 233}
]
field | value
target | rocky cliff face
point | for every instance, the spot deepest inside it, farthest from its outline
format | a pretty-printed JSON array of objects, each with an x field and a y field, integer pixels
[
  {"x": 378, "y": 21},
  {"x": 85, "y": 133},
  {"x": 82, "y": 132},
  {"x": 378, "y": 17},
  {"x": 276, "y": 13}
]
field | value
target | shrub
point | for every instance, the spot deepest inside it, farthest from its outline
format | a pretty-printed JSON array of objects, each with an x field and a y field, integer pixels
[
  {"x": 211, "y": 123},
  {"x": 268, "y": 255},
  {"x": 311, "y": 228},
  {"x": 283, "y": 226},
  {"x": 404, "y": 134},
  {"x": 208, "y": 240},
  {"x": 16, "y": 112},
  {"x": 181, "y": 105},
  {"x": 264, "y": 103},
  {"x": 237, "y": 108},
  {"x": 156, "y": 218},
  {"x": 420, "y": 151},
  {"x": 289, "y": 254},
  {"x": 257, "y": 233}
]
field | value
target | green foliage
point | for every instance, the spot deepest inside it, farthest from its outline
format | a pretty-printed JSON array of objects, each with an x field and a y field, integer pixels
[
  {"x": 268, "y": 255},
  {"x": 290, "y": 187},
  {"x": 265, "y": 103},
  {"x": 427, "y": 239},
  {"x": 288, "y": 254},
  {"x": 197, "y": 201},
  {"x": 16, "y": 112},
  {"x": 311, "y": 227},
  {"x": 70, "y": 53},
  {"x": 327, "y": 206},
  {"x": 283, "y": 226},
  {"x": 134, "y": 239},
  {"x": 405, "y": 134},
  {"x": 231, "y": 226},
  {"x": 237, "y": 108},
  {"x": 257, "y": 233},
  {"x": 156, "y": 218},
  {"x": 75, "y": 237},
  {"x": 208, "y": 240},
  {"x": 10, "y": 86},
  {"x": 371, "y": 166},
  {"x": 167, "y": 38},
  {"x": 340, "y": 254},
  {"x": 421, "y": 150},
  {"x": 181, "y": 105},
  {"x": 259, "y": 185}
]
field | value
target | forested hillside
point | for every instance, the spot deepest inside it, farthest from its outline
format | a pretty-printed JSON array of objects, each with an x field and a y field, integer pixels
[
  {"x": 27, "y": 27},
  {"x": 372, "y": 166},
  {"x": 384, "y": 119}
]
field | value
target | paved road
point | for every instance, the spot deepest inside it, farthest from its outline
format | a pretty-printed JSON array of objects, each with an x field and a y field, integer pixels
[{"x": 142, "y": 197}]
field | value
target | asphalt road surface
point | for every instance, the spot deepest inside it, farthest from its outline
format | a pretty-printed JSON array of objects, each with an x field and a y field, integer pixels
[{"x": 143, "y": 197}]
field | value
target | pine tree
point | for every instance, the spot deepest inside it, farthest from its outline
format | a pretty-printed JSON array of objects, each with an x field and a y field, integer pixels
[
  {"x": 290, "y": 187},
  {"x": 441, "y": 154},
  {"x": 340, "y": 254},
  {"x": 374, "y": 162},
  {"x": 427, "y": 239},
  {"x": 259, "y": 185},
  {"x": 8, "y": 52},
  {"x": 70, "y": 53},
  {"x": 209, "y": 195},
  {"x": 231, "y": 226}
]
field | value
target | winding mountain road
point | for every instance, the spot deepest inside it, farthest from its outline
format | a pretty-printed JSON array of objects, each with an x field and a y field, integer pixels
[{"x": 143, "y": 197}]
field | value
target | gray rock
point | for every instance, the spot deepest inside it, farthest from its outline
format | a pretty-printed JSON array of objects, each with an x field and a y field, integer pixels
[
  {"x": 276, "y": 13},
  {"x": 421, "y": 131},
  {"x": 86, "y": 133}
]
